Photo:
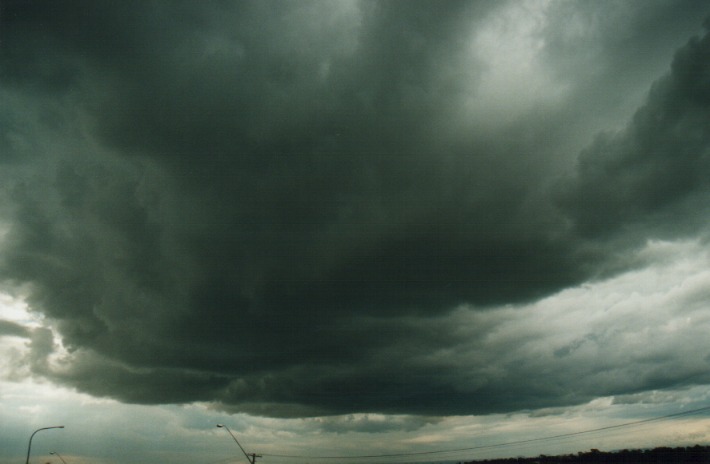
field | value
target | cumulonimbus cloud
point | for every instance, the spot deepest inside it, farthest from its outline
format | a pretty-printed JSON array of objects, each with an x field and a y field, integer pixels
[{"x": 270, "y": 218}]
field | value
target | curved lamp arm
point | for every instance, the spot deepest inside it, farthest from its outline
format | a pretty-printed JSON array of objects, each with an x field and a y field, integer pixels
[
  {"x": 29, "y": 445},
  {"x": 58, "y": 455},
  {"x": 250, "y": 457}
]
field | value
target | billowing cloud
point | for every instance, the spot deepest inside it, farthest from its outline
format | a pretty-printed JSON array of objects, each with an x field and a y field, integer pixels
[
  {"x": 300, "y": 209},
  {"x": 652, "y": 174}
]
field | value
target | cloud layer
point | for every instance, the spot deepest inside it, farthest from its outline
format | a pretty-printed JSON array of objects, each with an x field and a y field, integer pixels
[{"x": 311, "y": 208}]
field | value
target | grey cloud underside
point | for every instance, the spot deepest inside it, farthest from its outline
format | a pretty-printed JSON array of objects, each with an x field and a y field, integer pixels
[
  {"x": 269, "y": 207},
  {"x": 12, "y": 329}
]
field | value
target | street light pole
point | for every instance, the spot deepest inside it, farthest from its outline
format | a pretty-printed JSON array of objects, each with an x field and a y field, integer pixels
[
  {"x": 29, "y": 445},
  {"x": 57, "y": 455},
  {"x": 250, "y": 457}
]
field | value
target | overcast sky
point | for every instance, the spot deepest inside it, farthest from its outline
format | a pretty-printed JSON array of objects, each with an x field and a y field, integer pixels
[{"x": 352, "y": 227}]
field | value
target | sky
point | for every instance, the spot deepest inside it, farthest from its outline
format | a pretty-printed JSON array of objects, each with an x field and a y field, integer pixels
[{"x": 414, "y": 230}]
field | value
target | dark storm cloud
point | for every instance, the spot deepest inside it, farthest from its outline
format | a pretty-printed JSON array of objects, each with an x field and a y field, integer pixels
[
  {"x": 270, "y": 206},
  {"x": 9, "y": 328},
  {"x": 653, "y": 175}
]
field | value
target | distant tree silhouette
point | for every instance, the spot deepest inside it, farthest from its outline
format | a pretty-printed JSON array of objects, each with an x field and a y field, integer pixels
[{"x": 662, "y": 455}]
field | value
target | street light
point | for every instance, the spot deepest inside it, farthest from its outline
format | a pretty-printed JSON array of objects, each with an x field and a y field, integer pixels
[
  {"x": 57, "y": 455},
  {"x": 250, "y": 457},
  {"x": 29, "y": 445}
]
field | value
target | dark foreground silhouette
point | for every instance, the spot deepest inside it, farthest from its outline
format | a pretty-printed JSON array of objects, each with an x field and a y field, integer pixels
[{"x": 680, "y": 455}]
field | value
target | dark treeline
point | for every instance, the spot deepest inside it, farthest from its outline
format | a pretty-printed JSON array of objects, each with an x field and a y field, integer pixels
[{"x": 663, "y": 455}]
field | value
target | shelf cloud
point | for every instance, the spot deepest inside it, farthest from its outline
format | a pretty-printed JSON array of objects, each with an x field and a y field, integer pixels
[{"x": 302, "y": 209}]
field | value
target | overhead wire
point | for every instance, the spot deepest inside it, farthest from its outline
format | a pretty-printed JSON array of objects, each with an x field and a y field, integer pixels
[{"x": 496, "y": 445}]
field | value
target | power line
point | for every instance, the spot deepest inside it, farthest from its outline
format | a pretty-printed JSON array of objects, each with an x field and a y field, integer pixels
[{"x": 499, "y": 445}]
